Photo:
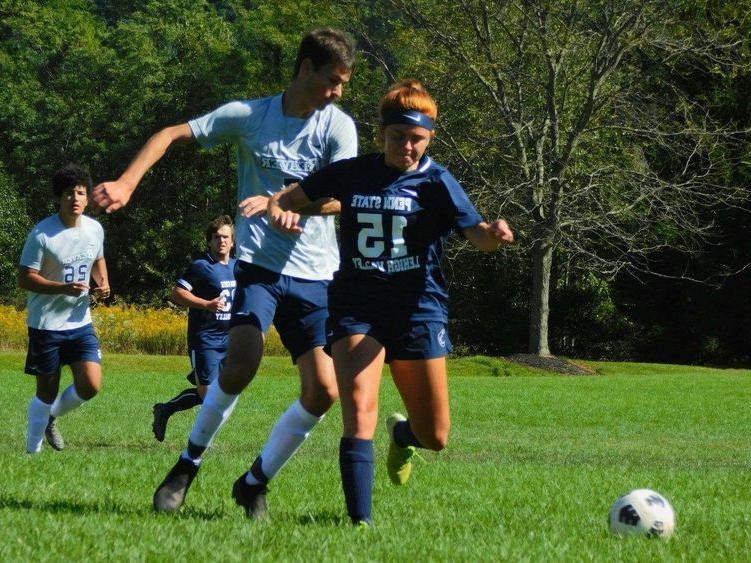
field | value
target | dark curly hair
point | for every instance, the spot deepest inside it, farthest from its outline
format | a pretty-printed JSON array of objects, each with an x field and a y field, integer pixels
[{"x": 70, "y": 176}]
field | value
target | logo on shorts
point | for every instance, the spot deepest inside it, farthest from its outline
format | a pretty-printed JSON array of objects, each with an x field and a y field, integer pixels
[
  {"x": 442, "y": 338},
  {"x": 99, "y": 353}
]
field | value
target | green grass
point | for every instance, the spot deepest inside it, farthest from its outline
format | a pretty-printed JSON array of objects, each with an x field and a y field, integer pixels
[{"x": 533, "y": 465}]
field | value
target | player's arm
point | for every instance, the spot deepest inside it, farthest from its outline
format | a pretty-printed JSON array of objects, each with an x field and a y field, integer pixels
[
  {"x": 283, "y": 206},
  {"x": 101, "y": 279},
  {"x": 111, "y": 196},
  {"x": 323, "y": 206},
  {"x": 31, "y": 280},
  {"x": 489, "y": 236},
  {"x": 259, "y": 204},
  {"x": 185, "y": 298}
]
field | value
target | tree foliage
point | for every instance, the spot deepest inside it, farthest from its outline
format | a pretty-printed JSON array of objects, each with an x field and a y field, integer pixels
[
  {"x": 574, "y": 119},
  {"x": 612, "y": 133}
]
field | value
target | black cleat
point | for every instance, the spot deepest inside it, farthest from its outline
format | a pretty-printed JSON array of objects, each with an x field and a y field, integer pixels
[
  {"x": 54, "y": 438},
  {"x": 251, "y": 497},
  {"x": 170, "y": 495},
  {"x": 159, "y": 426}
]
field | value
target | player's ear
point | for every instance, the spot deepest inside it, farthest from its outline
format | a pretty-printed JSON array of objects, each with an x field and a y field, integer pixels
[{"x": 306, "y": 68}]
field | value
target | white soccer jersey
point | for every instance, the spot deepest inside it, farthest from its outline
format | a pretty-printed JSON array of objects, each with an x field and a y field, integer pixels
[
  {"x": 274, "y": 150},
  {"x": 65, "y": 255}
]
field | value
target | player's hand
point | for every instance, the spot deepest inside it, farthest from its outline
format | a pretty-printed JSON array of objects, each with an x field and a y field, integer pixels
[
  {"x": 111, "y": 196},
  {"x": 75, "y": 289},
  {"x": 101, "y": 292},
  {"x": 287, "y": 221},
  {"x": 253, "y": 205},
  {"x": 215, "y": 305},
  {"x": 501, "y": 231}
]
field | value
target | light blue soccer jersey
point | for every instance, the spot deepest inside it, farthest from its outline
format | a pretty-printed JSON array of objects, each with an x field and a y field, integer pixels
[
  {"x": 273, "y": 151},
  {"x": 61, "y": 254}
]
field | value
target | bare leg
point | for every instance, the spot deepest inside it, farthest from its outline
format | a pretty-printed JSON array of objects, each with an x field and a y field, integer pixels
[
  {"x": 243, "y": 358},
  {"x": 87, "y": 378},
  {"x": 423, "y": 385}
]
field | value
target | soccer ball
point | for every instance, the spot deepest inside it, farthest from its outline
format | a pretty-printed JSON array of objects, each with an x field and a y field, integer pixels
[{"x": 642, "y": 512}]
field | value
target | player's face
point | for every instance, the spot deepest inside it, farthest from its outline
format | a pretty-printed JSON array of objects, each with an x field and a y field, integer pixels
[
  {"x": 404, "y": 145},
  {"x": 221, "y": 242},
  {"x": 73, "y": 201},
  {"x": 325, "y": 85}
]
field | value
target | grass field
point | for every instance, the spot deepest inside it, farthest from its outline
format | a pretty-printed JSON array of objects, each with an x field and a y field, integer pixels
[{"x": 533, "y": 465}]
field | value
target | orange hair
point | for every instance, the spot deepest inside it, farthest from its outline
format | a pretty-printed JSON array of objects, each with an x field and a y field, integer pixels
[{"x": 408, "y": 94}]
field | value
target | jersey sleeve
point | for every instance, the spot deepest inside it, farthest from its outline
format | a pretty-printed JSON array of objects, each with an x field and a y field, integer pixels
[
  {"x": 33, "y": 250},
  {"x": 455, "y": 203},
  {"x": 225, "y": 124},
  {"x": 326, "y": 182},
  {"x": 342, "y": 141},
  {"x": 192, "y": 277}
]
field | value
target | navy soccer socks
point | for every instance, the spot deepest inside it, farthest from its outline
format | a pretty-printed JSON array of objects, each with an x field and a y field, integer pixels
[
  {"x": 186, "y": 399},
  {"x": 356, "y": 465},
  {"x": 403, "y": 435}
]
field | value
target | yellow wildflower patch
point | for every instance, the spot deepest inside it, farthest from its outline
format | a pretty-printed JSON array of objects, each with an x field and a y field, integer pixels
[{"x": 124, "y": 329}]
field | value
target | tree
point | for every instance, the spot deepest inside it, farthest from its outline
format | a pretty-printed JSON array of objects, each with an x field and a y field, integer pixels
[
  {"x": 12, "y": 236},
  {"x": 572, "y": 118},
  {"x": 89, "y": 82}
]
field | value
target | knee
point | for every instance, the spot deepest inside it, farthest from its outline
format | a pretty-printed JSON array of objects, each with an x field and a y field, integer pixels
[
  {"x": 88, "y": 390},
  {"x": 237, "y": 372},
  {"x": 435, "y": 440},
  {"x": 47, "y": 387},
  {"x": 360, "y": 419},
  {"x": 46, "y": 395},
  {"x": 323, "y": 395},
  {"x": 318, "y": 401}
]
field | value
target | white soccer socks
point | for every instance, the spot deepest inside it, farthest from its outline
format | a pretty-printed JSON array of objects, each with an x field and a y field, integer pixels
[
  {"x": 215, "y": 410},
  {"x": 38, "y": 417},
  {"x": 288, "y": 434},
  {"x": 66, "y": 401}
]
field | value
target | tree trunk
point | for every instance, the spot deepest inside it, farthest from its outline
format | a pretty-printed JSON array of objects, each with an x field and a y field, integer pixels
[{"x": 539, "y": 309}]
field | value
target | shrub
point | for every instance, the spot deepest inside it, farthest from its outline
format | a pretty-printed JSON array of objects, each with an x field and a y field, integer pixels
[{"x": 125, "y": 329}]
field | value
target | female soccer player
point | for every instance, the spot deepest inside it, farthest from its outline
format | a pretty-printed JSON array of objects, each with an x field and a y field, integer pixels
[{"x": 388, "y": 301}]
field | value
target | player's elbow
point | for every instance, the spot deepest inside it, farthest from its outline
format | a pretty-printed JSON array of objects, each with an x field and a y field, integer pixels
[
  {"x": 175, "y": 133},
  {"x": 22, "y": 280}
]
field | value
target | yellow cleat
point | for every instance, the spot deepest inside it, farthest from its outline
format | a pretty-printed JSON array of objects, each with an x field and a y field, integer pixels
[{"x": 399, "y": 461}]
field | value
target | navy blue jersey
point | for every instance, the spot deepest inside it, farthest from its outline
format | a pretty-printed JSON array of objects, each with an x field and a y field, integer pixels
[
  {"x": 393, "y": 227},
  {"x": 208, "y": 279}
]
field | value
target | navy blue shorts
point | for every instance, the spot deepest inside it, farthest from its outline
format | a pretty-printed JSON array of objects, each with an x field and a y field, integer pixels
[
  {"x": 50, "y": 350},
  {"x": 297, "y": 307},
  {"x": 407, "y": 340},
  {"x": 206, "y": 364}
]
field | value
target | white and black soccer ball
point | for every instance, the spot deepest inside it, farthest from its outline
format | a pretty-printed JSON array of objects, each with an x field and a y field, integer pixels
[{"x": 642, "y": 512}]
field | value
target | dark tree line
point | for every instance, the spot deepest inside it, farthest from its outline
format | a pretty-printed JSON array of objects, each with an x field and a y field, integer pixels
[{"x": 612, "y": 135}]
